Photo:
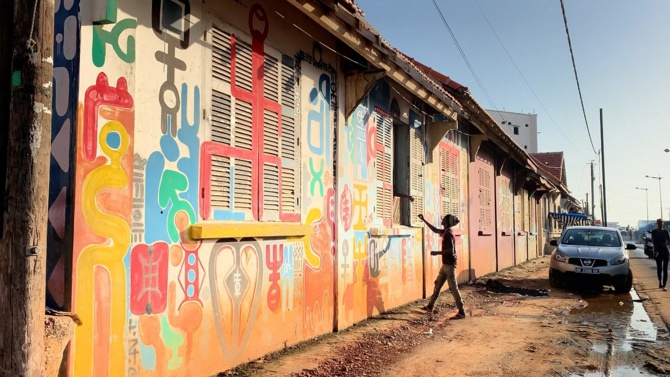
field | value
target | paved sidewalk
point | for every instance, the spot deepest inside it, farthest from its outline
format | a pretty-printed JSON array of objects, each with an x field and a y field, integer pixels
[{"x": 646, "y": 283}]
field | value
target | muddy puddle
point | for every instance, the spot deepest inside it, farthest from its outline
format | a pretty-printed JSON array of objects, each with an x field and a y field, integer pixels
[{"x": 616, "y": 325}]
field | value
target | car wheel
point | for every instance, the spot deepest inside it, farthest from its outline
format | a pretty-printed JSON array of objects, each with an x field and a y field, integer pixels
[
  {"x": 553, "y": 280},
  {"x": 627, "y": 285}
]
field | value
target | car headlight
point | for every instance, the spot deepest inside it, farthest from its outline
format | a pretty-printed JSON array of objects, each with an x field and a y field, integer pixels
[
  {"x": 560, "y": 257},
  {"x": 621, "y": 259}
]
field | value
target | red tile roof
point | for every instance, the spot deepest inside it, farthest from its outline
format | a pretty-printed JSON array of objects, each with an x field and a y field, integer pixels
[
  {"x": 351, "y": 6},
  {"x": 445, "y": 80},
  {"x": 552, "y": 163}
]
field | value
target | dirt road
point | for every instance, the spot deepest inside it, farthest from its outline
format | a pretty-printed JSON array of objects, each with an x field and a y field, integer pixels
[{"x": 561, "y": 333}]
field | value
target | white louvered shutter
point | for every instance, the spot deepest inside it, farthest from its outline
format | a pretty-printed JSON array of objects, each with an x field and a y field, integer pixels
[
  {"x": 231, "y": 181},
  {"x": 416, "y": 174},
  {"x": 280, "y": 140},
  {"x": 445, "y": 182},
  {"x": 277, "y": 158},
  {"x": 290, "y": 141},
  {"x": 455, "y": 189},
  {"x": 384, "y": 181}
]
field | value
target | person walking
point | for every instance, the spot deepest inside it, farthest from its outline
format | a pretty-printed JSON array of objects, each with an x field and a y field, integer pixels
[
  {"x": 448, "y": 270},
  {"x": 661, "y": 238}
]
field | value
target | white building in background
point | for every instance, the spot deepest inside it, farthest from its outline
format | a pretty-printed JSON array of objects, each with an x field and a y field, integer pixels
[{"x": 520, "y": 127}]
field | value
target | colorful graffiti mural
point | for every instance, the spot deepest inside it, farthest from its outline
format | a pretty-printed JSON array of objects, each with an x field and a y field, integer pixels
[
  {"x": 223, "y": 117},
  {"x": 66, "y": 72}
]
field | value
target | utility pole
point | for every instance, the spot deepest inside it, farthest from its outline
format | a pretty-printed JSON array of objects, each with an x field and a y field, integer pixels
[
  {"x": 602, "y": 205},
  {"x": 586, "y": 205},
  {"x": 593, "y": 194},
  {"x": 602, "y": 154},
  {"x": 27, "y": 48}
]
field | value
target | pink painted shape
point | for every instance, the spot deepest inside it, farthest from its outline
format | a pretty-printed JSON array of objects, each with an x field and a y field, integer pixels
[
  {"x": 57, "y": 213},
  {"x": 60, "y": 147},
  {"x": 56, "y": 283}
]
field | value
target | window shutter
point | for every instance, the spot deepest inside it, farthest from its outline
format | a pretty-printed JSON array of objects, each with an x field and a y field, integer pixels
[
  {"x": 280, "y": 141},
  {"x": 416, "y": 154},
  {"x": 384, "y": 184},
  {"x": 454, "y": 163},
  {"x": 485, "y": 210},
  {"x": 231, "y": 147},
  {"x": 221, "y": 55},
  {"x": 243, "y": 65},
  {"x": 271, "y": 78},
  {"x": 445, "y": 181},
  {"x": 270, "y": 170},
  {"x": 231, "y": 126},
  {"x": 450, "y": 178},
  {"x": 290, "y": 142}
]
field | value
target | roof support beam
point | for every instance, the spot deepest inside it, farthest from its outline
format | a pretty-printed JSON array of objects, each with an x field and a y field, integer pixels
[
  {"x": 437, "y": 131},
  {"x": 357, "y": 86},
  {"x": 476, "y": 142}
]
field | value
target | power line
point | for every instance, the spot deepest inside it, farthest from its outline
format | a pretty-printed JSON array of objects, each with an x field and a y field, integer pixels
[
  {"x": 524, "y": 77},
  {"x": 465, "y": 58},
  {"x": 574, "y": 67}
]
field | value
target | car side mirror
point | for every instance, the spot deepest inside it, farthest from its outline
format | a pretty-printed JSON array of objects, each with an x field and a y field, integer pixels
[
  {"x": 631, "y": 246},
  {"x": 553, "y": 243}
]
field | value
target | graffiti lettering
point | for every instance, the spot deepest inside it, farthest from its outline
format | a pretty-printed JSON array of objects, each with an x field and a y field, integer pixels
[
  {"x": 133, "y": 345},
  {"x": 286, "y": 276},
  {"x": 274, "y": 258},
  {"x": 346, "y": 210},
  {"x": 137, "y": 226},
  {"x": 235, "y": 273},
  {"x": 101, "y": 94},
  {"x": 359, "y": 147},
  {"x": 174, "y": 189},
  {"x": 102, "y": 37},
  {"x": 65, "y": 99},
  {"x": 169, "y": 19},
  {"x": 360, "y": 206},
  {"x": 148, "y": 278},
  {"x": 116, "y": 146},
  {"x": 316, "y": 177}
]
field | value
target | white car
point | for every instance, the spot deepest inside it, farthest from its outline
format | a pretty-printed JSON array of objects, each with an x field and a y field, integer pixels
[{"x": 591, "y": 255}]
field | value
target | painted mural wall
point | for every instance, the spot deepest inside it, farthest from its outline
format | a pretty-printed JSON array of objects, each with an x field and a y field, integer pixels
[
  {"x": 482, "y": 219},
  {"x": 379, "y": 266},
  {"x": 65, "y": 84},
  {"x": 505, "y": 218},
  {"x": 227, "y": 118},
  {"x": 153, "y": 158},
  {"x": 447, "y": 193}
]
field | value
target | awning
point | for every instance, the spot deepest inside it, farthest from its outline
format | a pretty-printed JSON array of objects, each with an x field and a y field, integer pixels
[{"x": 571, "y": 219}]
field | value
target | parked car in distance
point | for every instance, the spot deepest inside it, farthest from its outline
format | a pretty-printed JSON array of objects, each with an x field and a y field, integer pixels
[{"x": 591, "y": 255}]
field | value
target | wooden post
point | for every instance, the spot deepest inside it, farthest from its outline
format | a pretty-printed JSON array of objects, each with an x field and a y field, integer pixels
[{"x": 23, "y": 243}]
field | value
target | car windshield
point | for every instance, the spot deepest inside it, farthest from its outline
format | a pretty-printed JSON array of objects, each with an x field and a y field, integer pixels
[{"x": 592, "y": 237}]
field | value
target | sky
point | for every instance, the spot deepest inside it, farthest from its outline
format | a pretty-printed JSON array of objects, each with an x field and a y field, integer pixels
[{"x": 622, "y": 53}]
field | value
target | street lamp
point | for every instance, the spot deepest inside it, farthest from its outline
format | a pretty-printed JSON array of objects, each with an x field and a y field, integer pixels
[
  {"x": 646, "y": 195},
  {"x": 660, "y": 195}
]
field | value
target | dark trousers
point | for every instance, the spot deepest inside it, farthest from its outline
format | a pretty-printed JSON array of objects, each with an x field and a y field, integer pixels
[
  {"x": 662, "y": 269},
  {"x": 447, "y": 274}
]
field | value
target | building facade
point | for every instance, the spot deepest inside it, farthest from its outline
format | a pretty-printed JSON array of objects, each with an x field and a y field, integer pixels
[
  {"x": 522, "y": 128},
  {"x": 230, "y": 178}
]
